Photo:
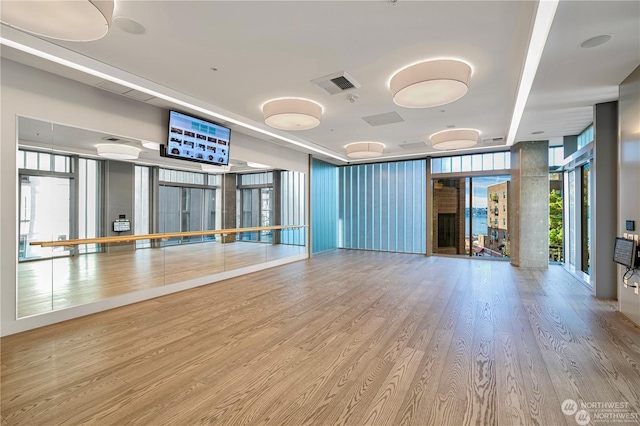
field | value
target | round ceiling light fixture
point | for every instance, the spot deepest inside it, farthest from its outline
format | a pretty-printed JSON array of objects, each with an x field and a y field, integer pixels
[
  {"x": 454, "y": 139},
  {"x": 360, "y": 150},
  {"x": 429, "y": 84},
  {"x": 292, "y": 114},
  {"x": 114, "y": 151},
  {"x": 78, "y": 20},
  {"x": 155, "y": 146}
]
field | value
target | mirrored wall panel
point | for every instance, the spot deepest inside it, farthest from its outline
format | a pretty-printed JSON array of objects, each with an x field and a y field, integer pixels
[{"x": 94, "y": 226}]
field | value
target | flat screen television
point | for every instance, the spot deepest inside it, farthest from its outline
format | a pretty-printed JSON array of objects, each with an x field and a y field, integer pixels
[
  {"x": 194, "y": 139},
  {"x": 624, "y": 252}
]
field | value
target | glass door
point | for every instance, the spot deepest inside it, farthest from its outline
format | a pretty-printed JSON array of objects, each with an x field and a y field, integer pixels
[
  {"x": 490, "y": 224},
  {"x": 451, "y": 216},
  {"x": 45, "y": 215},
  {"x": 470, "y": 216}
]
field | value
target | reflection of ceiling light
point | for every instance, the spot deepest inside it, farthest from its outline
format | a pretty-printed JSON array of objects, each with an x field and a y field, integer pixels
[
  {"x": 210, "y": 168},
  {"x": 430, "y": 84},
  {"x": 454, "y": 139},
  {"x": 257, "y": 165},
  {"x": 292, "y": 114},
  {"x": 364, "y": 149},
  {"x": 151, "y": 145},
  {"x": 79, "y": 20},
  {"x": 596, "y": 41},
  {"x": 118, "y": 152}
]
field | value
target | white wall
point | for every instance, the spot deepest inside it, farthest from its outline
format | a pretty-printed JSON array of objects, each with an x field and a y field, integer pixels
[
  {"x": 30, "y": 92},
  {"x": 629, "y": 181}
]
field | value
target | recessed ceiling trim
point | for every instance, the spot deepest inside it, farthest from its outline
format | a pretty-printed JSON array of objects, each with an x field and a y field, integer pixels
[
  {"x": 542, "y": 26},
  {"x": 103, "y": 75}
]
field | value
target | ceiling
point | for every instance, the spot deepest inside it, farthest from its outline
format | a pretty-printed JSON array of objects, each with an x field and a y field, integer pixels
[{"x": 267, "y": 49}]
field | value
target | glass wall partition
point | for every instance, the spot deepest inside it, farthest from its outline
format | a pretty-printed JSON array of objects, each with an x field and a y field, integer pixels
[{"x": 104, "y": 201}]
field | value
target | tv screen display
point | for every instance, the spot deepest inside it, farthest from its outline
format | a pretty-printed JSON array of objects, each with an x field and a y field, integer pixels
[
  {"x": 624, "y": 252},
  {"x": 195, "y": 139}
]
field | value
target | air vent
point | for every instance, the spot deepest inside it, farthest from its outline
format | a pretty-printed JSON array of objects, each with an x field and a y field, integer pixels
[
  {"x": 336, "y": 83},
  {"x": 493, "y": 141},
  {"x": 124, "y": 141},
  {"x": 383, "y": 119},
  {"x": 342, "y": 83},
  {"x": 413, "y": 145},
  {"x": 123, "y": 90}
]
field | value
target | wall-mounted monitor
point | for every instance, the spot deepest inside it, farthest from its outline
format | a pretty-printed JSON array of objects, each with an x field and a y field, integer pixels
[
  {"x": 624, "y": 252},
  {"x": 194, "y": 139}
]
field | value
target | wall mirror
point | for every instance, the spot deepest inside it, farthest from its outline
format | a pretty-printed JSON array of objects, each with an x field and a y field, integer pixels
[{"x": 168, "y": 217}]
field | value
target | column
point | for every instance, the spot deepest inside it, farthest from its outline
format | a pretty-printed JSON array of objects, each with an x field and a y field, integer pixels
[
  {"x": 604, "y": 199},
  {"x": 229, "y": 204},
  {"x": 529, "y": 204}
]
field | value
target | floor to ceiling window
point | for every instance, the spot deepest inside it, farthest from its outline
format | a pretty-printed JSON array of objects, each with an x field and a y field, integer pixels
[
  {"x": 187, "y": 202},
  {"x": 556, "y": 208},
  {"x": 48, "y": 200},
  {"x": 577, "y": 207},
  {"x": 255, "y": 205},
  {"x": 585, "y": 216},
  {"x": 470, "y": 211}
]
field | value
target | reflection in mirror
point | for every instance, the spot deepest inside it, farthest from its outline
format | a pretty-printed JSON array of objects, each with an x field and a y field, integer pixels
[{"x": 68, "y": 192}]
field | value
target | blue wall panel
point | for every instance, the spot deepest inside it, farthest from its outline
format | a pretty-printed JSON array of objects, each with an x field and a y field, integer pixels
[
  {"x": 324, "y": 206},
  {"x": 383, "y": 206}
]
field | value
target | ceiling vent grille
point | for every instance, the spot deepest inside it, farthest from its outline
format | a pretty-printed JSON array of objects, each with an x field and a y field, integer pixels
[{"x": 336, "y": 83}]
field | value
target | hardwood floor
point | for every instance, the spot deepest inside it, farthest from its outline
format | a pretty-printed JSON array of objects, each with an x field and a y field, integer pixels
[{"x": 346, "y": 338}]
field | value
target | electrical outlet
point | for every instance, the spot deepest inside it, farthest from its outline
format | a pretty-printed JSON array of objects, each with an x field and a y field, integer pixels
[{"x": 626, "y": 235}]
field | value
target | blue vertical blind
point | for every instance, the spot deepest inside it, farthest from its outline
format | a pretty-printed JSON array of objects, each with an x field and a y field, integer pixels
[
  {"x": 324, "y": 206},
  {"x": 382, "y": 207}
]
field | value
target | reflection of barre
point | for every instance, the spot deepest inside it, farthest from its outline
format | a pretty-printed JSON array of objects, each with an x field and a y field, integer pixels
[{"x": 164, "y": 237}]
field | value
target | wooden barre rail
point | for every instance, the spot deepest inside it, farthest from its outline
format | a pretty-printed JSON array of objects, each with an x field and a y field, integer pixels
[{"x": 127, "y": 238}]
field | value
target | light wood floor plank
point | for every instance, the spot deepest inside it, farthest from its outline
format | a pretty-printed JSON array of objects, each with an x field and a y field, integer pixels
[{"x": 344, "y": 338}]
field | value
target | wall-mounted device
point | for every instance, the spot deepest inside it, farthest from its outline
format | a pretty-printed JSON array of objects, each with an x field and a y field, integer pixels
[
  {"x": 121, "y": 225},
  {"x": 631, "y": 225},
  {"x": 625, "y": 252}
]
